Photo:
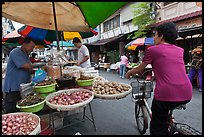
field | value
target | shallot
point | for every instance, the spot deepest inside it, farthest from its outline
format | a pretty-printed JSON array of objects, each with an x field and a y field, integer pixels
[
  {"x": 20, "y": 124},
  {"x": 70, "y": 98}
]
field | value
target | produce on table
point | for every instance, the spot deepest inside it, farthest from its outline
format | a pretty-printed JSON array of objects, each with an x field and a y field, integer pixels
[
  {"x": 30, "y": 100},
  {"x": 46, "y": 82},
  {"x": 109, "y": 88},
  {"x": 19, "y": 124},
  {"x": 82, "y": 77},
  {"x": 70, "y": 98}
]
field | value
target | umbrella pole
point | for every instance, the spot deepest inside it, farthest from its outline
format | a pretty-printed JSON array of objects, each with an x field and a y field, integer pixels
[
  {"x": 58, "y": 47},
  {"x": 55, "y": 20}
]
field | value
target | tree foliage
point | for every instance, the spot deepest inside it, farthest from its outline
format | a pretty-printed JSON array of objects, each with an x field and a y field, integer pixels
[{"x": 141, "y": 18}]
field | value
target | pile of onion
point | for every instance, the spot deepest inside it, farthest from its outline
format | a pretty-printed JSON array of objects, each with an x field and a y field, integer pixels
[
  {"x": 70, "y": 98},
  {"x": 18, "y": 124}
]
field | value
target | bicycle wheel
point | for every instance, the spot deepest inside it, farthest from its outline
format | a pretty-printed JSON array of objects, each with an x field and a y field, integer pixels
[{"x": 141, "y": 117}]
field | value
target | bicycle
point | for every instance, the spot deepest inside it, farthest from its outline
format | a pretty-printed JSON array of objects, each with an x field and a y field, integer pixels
[{"x": 141, "y": 92}]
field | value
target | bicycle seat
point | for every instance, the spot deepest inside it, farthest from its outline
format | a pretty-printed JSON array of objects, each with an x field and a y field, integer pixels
[{"x": 183, "y": 106}]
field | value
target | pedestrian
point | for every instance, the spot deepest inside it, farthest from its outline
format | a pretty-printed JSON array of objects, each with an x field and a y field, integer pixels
[
  {"x": 123, "y": 65},
  {"x": 19, "y": 70},
  {"x": 173, "y": 86},
  {"x": 83, "y": 54},
  {"x": 196, "y": 65}
]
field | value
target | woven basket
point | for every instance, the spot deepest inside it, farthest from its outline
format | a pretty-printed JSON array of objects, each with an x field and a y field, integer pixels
[
  {"x": 114, "y": 96},
  {"x": 37, "y": 130},
  {"x": 67, "y": 107}
]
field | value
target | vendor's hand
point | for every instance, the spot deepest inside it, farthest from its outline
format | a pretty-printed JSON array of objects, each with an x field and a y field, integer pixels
[
  {"x": 128, "y": 74},
  {"x": 78, "y": 64}
]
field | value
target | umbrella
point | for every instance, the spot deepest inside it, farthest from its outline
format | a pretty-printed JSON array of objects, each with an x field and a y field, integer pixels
[
  {"x": 139, "y": 42},
  {"x": 14, "y": 38},
  {"x": 70, "y": 16},
  {"x": 50, "y": 35},
  {"x": 80, "y": 35},
  {"x": 7, "y": 44}
]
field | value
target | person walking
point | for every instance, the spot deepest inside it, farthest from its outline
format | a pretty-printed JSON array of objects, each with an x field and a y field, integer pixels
[
  {"x": 83, "y": 54},
  {"x": 196, "y": 65},
  {"x": 19, "y": 70},
  {"x": 123, "y": 64},
  {"x": 173, "y": 86}
]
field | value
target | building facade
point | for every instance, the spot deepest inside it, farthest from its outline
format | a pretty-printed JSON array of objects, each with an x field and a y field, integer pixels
[
  {"x": 112, "y": 34},
  {"x": 188, "y": 19}
]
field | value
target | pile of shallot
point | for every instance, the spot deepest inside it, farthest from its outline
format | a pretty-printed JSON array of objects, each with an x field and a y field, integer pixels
[
  {"x": 70, "y": 98},
  {"x": 18, "y": 124}
]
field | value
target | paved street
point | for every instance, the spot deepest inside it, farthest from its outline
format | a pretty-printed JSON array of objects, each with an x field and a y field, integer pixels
[{"x": 116, "y": 117}]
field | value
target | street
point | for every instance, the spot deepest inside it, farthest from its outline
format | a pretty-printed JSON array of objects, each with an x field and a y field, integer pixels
[{"x": 116, "y": 117}]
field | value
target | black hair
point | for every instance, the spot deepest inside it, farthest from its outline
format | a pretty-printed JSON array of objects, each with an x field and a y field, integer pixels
[
  {"x": 76, "y": 40},
  {"x": 169, "y": 32},
  {"x": 28, "y": 40}
]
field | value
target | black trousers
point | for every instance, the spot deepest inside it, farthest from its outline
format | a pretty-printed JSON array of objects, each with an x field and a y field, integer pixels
[
  {"x": 160, "y": 117},
  {"x": 10, "y": 101}
]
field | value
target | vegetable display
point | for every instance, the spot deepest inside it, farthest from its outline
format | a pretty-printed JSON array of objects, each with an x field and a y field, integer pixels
[
  {"x": 30, "y": 100},
  {"x": 45, "y": 82},
  {"x": 70, "y": 98},
  {"x": 109, "y": 88},
  {"x": 19, "y": 124}
]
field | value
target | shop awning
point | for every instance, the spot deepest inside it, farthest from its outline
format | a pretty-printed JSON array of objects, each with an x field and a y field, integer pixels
[
  {"x": 104, "y": 41},
  {"x": 190, "y": 31}
]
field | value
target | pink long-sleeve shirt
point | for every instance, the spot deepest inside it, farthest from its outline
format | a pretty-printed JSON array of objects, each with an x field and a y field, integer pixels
[{"x": 172, "y": 82}]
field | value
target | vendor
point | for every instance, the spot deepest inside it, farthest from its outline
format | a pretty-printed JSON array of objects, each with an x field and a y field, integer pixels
[
  {"x": 83, "y": 54},
  {"x": 19, "y": 70}
]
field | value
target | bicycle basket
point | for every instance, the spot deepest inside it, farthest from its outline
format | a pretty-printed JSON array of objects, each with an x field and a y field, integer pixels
[{"x": 141, "y": 89}]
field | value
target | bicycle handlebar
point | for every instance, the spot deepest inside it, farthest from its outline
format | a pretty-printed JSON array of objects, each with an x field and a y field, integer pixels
[{"x": 143, "y": 74}]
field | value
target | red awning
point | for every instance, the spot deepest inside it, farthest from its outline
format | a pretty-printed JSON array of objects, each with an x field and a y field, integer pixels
[{"x": 176, "y": 19}]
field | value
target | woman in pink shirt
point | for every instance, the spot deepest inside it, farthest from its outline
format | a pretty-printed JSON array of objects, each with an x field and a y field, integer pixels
[
  {"x": 173, "y": 87},
  {"x": 123, "y": 64}
]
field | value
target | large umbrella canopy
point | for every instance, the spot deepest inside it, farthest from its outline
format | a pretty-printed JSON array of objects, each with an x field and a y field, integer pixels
[
  {"x": 14, "y": 38},
  {"x": 50, "y": 35},
  {"x": 70, "y": 16},
  {"x": 139, "y": 42},
  {"x": 7, "y": 44},
  {"x": 80, "y": 35}
]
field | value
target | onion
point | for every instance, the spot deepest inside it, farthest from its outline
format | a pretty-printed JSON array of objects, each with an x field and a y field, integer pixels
[
  {"x": 71, "y": 102},
  {"x": 10, "y": 124}
]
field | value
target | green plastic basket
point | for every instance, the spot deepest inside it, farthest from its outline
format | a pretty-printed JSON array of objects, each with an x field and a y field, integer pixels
[
  {"x": 46, "y": 94},
  {"x": 84, "y": 82},
  {"x": 45, "y": 89},
  {"x": 33, "y": 108}
]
